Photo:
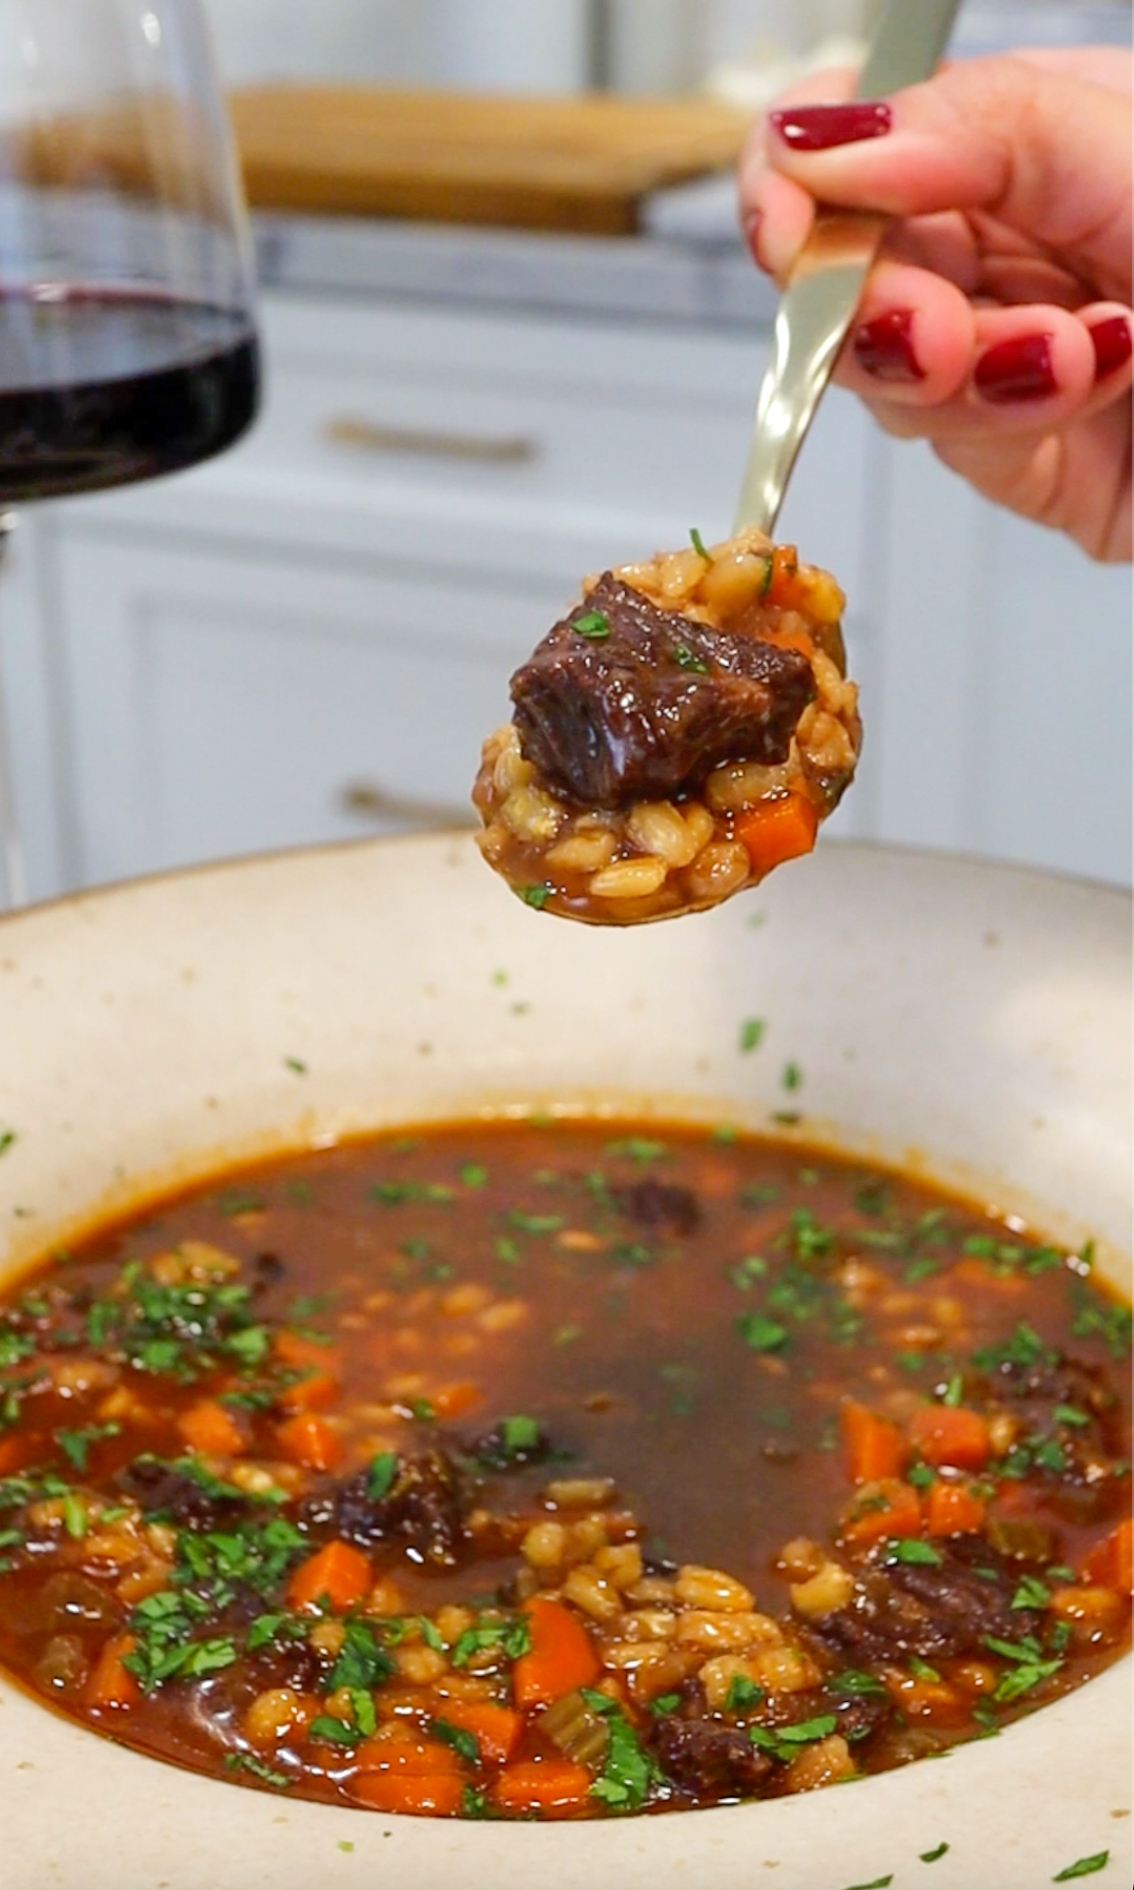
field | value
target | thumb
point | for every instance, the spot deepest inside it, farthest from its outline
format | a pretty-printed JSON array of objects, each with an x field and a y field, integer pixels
[{"x": 1044, "y": 152}]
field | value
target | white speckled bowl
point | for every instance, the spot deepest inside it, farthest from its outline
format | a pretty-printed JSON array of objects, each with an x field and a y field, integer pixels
[{"x": 972, "y": 1020}]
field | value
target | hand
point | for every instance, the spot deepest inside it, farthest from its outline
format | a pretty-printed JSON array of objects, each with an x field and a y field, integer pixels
[{"x": 997, "y": 321}]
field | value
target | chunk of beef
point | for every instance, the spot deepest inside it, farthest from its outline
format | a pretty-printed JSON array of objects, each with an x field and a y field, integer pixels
[
  {"x": 161, "y": 1488},
  {"x": 708, "y": 1759},
  {"x": 1084, "y": 1488},
  {"x": 653, "y": 701},
  {"x": 424, "y": 1509},
  {"x": 946, "y": 1608},
  {"x": 665, "y": 1206}
]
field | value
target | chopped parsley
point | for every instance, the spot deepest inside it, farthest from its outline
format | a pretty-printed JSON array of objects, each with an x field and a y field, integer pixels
[
  {"x": 536, "y": 896},
  {"x": 296, "y": 1065},
  {"x": 381, "y": 1474},
  {"x": 473, "y": 1175},
  {"x": 698, "y": 544},
  {"x": 1083, "y": 1867},
  {"x": 7, "y": 1137},
  {"x": 535, "y": 1223},
  {"x": 638, "y": 1149},
  {"x": 687, "y": 659},
  {"x": 742, "y": 1693},
  {"x": 791, "y": 1076},
  {"x": 248, "y": 1762},
  {"x": 465, "y": 1744},
  {"x": 931, "y": 1857},
  {"x": 1030, "y": 1593},
  {"x": 761, "y": 1333},
  {"x": 628, "y": 1771},
  {"x": 592, "y": 624},
  {"x": 1029, "y": 1669},
  {"x": 76, "y": 1444},
  {"x": 510, "y": 1634},
  {"x": 911, "y": 1549},
  {"x": 360, "y": 1662},
  {"x": 784, "y": 1742},
  {"x": 751, "y": 1035}
]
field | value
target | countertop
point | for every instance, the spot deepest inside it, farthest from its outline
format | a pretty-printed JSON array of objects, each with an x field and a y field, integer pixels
[{"x": 698, "y": 275}]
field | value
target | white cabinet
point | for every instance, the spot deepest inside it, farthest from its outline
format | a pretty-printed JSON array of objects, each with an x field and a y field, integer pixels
[{"x": 224, "y": 701}]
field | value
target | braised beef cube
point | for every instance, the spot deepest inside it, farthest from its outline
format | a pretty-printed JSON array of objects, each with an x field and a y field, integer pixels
[
  {"x": 708, "y": 1759},
  {"x": 666, "y": 1206},
  {"x": 424, "y": 1508},
  {"x": 945, "y": 1608},
  {"x": 624, "y": 701}
]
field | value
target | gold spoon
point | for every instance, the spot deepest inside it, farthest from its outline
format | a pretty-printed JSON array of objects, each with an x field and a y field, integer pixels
[{"x": 822, "y": 297}]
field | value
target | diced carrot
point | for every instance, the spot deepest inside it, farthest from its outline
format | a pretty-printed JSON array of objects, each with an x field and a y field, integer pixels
[
  {"x": 952, "y": 1510},
  {"x": 926, "y": 1699},
  {"x": 783, "y": 586},
  {"x": 873, "y": 1446},
  {"x": 453, "y": 1400},
  {"x": 110, "y": 1684},
  {"x": 311, "y": 1393},
  {"x": 948, "y": 1434},
  {"x": 884, "y": 1508},
  {"x": 438, "y": 1796},
  {"x": 206, "y": 1426},
  {"x": 553, "y": 1787},
  {"x": 14, "y": 1453},
  {"x": 973, "y": 1271},
  {"x": 561, "y": 1656},
  {"x": 292, "y": 1348},
  {"x": 495, "y": 1728},
  {"x": 308, "y": 1439},
  {"x": 337, "y": 1571},
  {"x": 778, "y": 830},
  {"x": 1109, "y": 1562},
  {"x": 402, "y": 1749}
]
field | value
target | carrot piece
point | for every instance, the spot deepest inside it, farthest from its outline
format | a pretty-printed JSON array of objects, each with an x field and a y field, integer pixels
[
  {"x": 927, "y": 1699},
  {"x": 308, "y": 1439},
  {"x": 944, "y": 1434},
  {"x": 1109, "y": 1562},
  {"x": 782, "y": 585},
  {"x": 110, "y": 1685},
  {"x": 561, "y": 1656},
  {"x": 402, "y": 1749},
  {"x": 14, "y": 1453},
  {"x": 206, "y": 1426},
  {"x": 874, "y": 1447},
  {"x": 452, "y": 1400},
  {"x": 432, "y": 1796},
  {"x": 291, "y": 1348},
  {"x": 553, "y": 1787},
  {"x": 884, "y": 1508},
  {"x": 953, "y": 1511},
  {"x": 495, "y": 1728},
  {"x": 778, "y": 830},
  {"x": 973, "y": 1271},
  {"x": 337, "y": 1571},
  {"x": 310, "y": 1393}
]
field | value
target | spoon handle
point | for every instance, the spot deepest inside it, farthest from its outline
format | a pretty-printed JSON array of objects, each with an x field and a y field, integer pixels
[{"x": 820, "y": 301}]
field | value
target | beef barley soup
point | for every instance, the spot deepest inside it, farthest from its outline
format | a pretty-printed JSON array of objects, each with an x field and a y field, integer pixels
[{"x": 553, "y": 1470}]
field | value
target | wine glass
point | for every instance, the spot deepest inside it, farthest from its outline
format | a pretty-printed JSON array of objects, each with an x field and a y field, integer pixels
[{"x": 127, "y": 340}]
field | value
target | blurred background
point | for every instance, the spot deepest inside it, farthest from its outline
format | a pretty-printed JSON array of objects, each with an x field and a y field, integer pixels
[{"x": 511, "y": 336}]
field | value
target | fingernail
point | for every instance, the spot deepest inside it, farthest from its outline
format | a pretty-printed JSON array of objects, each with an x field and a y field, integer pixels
[
  {"x": 884, "y": 347},
  {"x": 1020, "y": 369},
  {"x": 820, "y": 127},
  {"x": 753, "y": 224},
  {"x": 1112, "y": 345}
]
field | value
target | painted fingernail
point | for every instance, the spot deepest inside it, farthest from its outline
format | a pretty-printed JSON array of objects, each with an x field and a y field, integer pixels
[
  {"x": 884, "y": 347},
  {"x": 753, "y": 224},
  {"x": 1112, "y": 345},
  {"x": 821, "y": 127},
  {"x": 1020, "y": 369}
]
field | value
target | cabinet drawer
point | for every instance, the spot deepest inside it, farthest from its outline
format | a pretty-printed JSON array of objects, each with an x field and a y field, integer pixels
[{"x": 224, "y": 705}]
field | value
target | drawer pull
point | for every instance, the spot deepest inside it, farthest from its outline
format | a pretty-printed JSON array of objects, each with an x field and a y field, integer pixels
[
  {"x": 367, "y": 800},
  {"x": 492, "y": 449}
]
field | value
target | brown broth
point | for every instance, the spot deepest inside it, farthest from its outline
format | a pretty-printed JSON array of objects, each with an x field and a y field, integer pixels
[{"x": 681, "y": 1312}]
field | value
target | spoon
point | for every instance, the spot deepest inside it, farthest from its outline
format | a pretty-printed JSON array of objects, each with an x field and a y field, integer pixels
[{"x": 823, "y": 294}]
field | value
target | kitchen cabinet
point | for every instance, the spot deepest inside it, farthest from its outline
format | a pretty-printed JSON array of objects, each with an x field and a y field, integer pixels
[{"x": 307, "y": 639}]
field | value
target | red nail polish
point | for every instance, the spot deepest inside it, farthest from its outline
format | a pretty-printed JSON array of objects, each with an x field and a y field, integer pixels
[
  {"x": 1112, "y": 345},
  {"x": 1020, "y": 369},
  {"x": 820, "y": 127},
  {"x": 884, "y": 347}
]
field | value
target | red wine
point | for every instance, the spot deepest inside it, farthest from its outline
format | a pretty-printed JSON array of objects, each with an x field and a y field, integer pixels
[{"x": 101, "y": 387}]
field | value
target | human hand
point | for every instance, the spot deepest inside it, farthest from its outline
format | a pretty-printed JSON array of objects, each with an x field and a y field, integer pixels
[{"x": 997, "y": 321}]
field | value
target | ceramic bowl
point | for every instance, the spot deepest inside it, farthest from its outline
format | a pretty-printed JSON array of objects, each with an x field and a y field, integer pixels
[{"x": 969, "y": 1021}]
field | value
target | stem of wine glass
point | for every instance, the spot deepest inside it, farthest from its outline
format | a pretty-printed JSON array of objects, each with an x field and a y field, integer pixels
[{"x": 13, "y": 880}]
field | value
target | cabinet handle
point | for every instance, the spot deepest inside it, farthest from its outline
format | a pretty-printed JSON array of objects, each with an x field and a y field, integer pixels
[
  {"x": 368, "y": 800},
  {"x": 371, "y": 437}
]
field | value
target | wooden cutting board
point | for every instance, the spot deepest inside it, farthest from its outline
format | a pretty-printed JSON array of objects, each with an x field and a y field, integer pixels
[{"x": 581, "y": 164}]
